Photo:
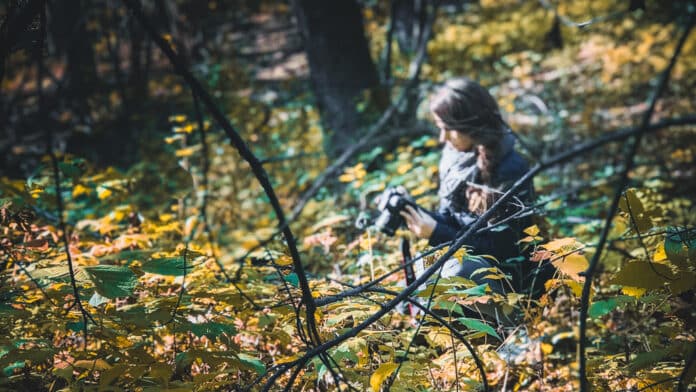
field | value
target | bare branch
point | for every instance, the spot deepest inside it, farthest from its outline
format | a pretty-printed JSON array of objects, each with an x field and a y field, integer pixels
[
  {"x": 633, "y": 148},
  {"x": 56, "y": 170},
  {"x": 366, "y": 140},
  {"x": 246, "y": 153}
]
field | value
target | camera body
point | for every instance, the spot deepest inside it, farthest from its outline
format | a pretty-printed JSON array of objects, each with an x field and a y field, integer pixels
[{"x": 391, "y": 203}]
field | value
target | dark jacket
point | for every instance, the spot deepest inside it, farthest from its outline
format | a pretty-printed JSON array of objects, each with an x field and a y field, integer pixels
[{"x": 457, "y": 171}]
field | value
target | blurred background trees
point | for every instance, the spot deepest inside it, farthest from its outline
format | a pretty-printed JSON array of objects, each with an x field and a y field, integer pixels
[{"x": 156, "y": 199}]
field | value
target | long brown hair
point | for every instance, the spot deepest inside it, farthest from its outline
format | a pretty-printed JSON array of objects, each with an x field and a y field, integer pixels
[{"x": 465, "y": 106}]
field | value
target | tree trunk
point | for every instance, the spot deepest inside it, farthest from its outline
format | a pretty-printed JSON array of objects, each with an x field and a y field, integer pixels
[
  {"x": 408, "y": 17},
  {"x": 340, "y": 66},
  {"x": 71, "y": 39}
]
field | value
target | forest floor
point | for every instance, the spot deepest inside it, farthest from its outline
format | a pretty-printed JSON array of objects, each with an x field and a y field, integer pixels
[{"x": 169, "y": 288}]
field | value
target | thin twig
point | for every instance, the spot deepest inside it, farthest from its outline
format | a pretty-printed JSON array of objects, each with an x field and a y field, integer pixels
[
  {"x": 462, "y": 238},
  {"x": 246, "y": 153},
  {"x": 427, "y": 311},
  {"x": 56, "y": 172},
  {"x": 367, "y": 140},
  {"x": 633, "y": 148},
  {"x": 642, "y": 243}
]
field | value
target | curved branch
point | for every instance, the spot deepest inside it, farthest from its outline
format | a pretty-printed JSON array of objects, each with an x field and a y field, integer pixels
[
  {"x": 366, "y": 140},
  {"x": 633, "y": 148},
  {"x": 241, "y": 146},
  {"x": 616, "y": 136},
  {"x": 56, "y": 171},
  {"x": 438, "y": 318},
  {"x": 462, "y": 238}
]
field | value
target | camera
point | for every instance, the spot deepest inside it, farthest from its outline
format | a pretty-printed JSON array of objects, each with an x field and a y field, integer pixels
[{"x": 391, "y": 203}]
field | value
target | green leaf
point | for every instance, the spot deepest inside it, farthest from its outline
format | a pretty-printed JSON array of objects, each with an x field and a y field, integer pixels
[
  {"x": 685, "y": 281},
  {"x": 9, "y": 370},
  {"x": 680, "y": 246},
  {"x": 112, "y": 281},
  {"x": 172, "y": 266},
  {"x": 344, "y": 352},
  {"x": 644, "y": 360},
  {"x": 70, "y": 169},
  {"x": 633, "y": 206},
  {"x": 77, "y": 326},
  {"x": 475, "y": 291},
  {"x": 641, "y": 274},
  {"x": 127, "y": 256},
  {"x": 8, "y": 311},
  {"x": 292, "y": 279},
  {"x": 253, "y": 363},
  {"x": 478, "y": 325},
  {"x": 600, "y": 308},
  {"x": 210, "y": 329},
  {"x": 450, "y": 306}
]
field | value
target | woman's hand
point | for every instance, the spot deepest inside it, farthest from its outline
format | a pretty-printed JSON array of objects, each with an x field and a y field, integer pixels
[{"x": 418, "y": 221}]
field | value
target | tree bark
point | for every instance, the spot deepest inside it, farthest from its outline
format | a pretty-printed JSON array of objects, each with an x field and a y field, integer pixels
[{"x": 341, "y": 68}]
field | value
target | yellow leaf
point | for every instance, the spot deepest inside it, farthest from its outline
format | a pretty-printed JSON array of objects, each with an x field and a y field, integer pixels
[
  {"x": 177, "y": 118},
  {"x": 97, "y": 364},
  {"x": 381, "y": 374},
  {"x": 575, "y": 287},
  {"x": 185, "y": 152},
  {"x": 572, "y": 265},
  {"x": 284, "y": 260},
  {"x": 404, "y": 168},
  {"x": 660, "y": 254},
  {"x": 560, "y": 244},
  {"x": 187, "y": 128},
  {"x": 633, "y": 206},
  {"x": 431, "y": 143},
  {"x": 172, "y": 139},
  {"x": 460, "y": 254},
  {"x": 123, "y": 342},
  {"x": 103, "y": 193},
  {"x": 644, "y": 275},
  {"x": 346, "y": 177},
  {"x": 546, "y": 348},
  {"x": 633, "y": 291},
  {"x": 249, "y": 244},
  {"x": 287, "y": 359},
  {"x": 528, "y": 238},
  {"x": 80, "y": 190},
  {"x": 532, "y": 230},
  {"x": 420, "y": 190}
]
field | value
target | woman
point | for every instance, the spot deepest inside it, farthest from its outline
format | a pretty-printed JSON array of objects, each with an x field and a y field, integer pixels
[{"x": 479, "y": 163}]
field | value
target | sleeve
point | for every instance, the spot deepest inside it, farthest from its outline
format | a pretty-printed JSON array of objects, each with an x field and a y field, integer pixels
[
  {"x": 448, "y": 224},
  {"x": 501, "y": 243}
]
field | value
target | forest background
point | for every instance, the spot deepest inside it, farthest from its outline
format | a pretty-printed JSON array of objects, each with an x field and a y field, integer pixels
[{"x": 181, "y": 181}]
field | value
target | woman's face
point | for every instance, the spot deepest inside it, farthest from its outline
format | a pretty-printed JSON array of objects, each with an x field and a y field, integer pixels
[{"x": 458, "y": 140}]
